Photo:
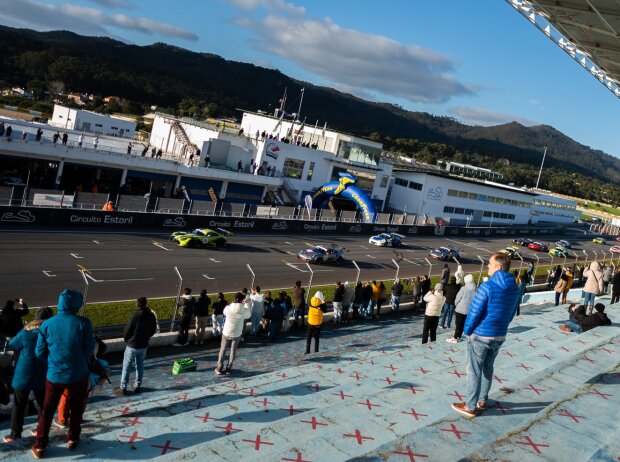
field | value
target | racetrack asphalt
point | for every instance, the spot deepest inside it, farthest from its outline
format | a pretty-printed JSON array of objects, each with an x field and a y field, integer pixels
[{"x": 37, "y": 265}]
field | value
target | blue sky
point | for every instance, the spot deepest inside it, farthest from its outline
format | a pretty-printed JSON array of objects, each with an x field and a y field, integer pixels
[{"x": 480, "y": 62}]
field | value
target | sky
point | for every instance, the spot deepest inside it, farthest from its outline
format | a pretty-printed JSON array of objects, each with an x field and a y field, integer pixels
[{"x": 480, "y": 62}]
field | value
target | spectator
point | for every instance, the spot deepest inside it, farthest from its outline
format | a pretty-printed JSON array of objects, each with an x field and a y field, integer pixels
[
  {"x": 202, "y": 316},
  {"x": 593, "y": 285},
  {"x": 66, "y": 342},
  {"x": 530, "y": 272},
  {"x": 29, "y": 375},
  {"x": 80, "y": 140},
  {"x": 217, "y": 318},
  {"x": 435, "y": 301},
  {"x": 55, "y": 137},
  {"x": 615, "y": 287},
  {"x": 450, "y": 291},
  {"x": 596, "y": 319},
  {"x": 207, "y": 161},
  {"x": 577, "y": 275},
  {"x": 459, "y": 275},
  {"x": 358, "y": 299},
  {"x": 315, "y": 319},
  {"x": 39, "y": 134},
  {"x": 11, "y": 318},
  {"x": 159, "y": 153},
  {"x": 608, "y": 273},
  {"x": 138, "y": 331},
  {"x": 381, "y": 298},
  {"x": 349, "y": 293},
  {"x": 108, "y": 207},
  {"x": 568, "y": 285},
  {"x": 493, "y": 308},
  {"x": 239, "y": 167},
  {"x": 367, "y": 306},
  {"x": 236, "y": 313},
  {"x": 397, "y": 292},
  {"x": 95, "y": 142},
  {"x": 416, "y": 290},
  {"x": 445, "y": 274},
  {"x": 299, "y": 302},
  {"x": 65, "y": 137},
  {"x": 559, "y": 288},
  {"x": 185, "y": 307},
  {"x": 153, "y": 151},
  {"x": 575, "y": 315},
  {"x": 129, "y": 146},
  {"x": 337, "y": 303},
  {"x": 24, "y": 136},
  {"x": 145, "y": 149},
  {"x": 462, "y": 302},
  {"x": 257, "y": 310},
  {"x": 275, "y": 314},
  {"x": 9, "y": 132}
]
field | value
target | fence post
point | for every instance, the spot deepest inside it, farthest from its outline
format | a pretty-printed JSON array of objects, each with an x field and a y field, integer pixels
[
  {"x": 481, "y": 268},
  {"x": 309, "y": 282},
  {"x": 84, "y": 293},
  {"x": 253, "y": 276},
  {"x": 595, "y": 255},
  {"x": 178, "y": 297},
  {"x": 357, "y": 279},
  {"x": 397, "y": 268},
  {"x": 430, "y": 267},
  {"x": 535, "y": 268}
]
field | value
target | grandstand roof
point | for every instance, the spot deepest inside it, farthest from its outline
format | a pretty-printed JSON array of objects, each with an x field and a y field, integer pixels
[{"x": 588, "y": 30}]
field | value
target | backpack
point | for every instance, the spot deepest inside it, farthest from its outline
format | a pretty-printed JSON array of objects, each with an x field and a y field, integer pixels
[{"x": 99, "y": 371}]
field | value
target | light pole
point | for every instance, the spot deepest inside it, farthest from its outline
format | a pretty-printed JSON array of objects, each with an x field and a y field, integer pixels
[
  {"x": 541, "y": 167},
  {"x": 481, "y": 268},
  {"x": 397, "y": 269},
  {"x": 430, "y": 267},
  {"x": 535, "y": 267}
]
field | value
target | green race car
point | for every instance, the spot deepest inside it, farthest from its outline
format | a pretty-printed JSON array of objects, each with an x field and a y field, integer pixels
[
  {"x": 598, "y": 240},
  {"x": 201, "y": 237},
  {"x": 558, "y": 252},
  {"x": 513, "y": 251}
]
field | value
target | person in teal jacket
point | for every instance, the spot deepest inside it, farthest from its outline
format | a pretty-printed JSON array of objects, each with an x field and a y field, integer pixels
[
  {"x": 29, "y": 372},
  {"x": 66, "y": 342},
  {"x": 493, "y": 308}
]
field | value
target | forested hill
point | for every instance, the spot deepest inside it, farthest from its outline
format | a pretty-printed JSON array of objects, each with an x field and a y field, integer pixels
[{"x": 173, "y": 78}]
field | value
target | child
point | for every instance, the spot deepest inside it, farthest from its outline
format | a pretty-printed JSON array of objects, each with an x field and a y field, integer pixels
[{"x": 315, "y": 319}]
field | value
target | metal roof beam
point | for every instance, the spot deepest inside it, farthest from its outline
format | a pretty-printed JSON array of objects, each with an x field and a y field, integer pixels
[
  {"x": 587, "y": 27},
  {"x": 563, "y": 6}
]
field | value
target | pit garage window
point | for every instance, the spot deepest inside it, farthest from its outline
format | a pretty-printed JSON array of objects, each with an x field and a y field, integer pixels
[{"x": 293, "y": 168}]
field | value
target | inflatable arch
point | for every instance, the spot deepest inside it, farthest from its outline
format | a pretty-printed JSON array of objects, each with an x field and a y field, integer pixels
[{"x": 345, "y": 187}]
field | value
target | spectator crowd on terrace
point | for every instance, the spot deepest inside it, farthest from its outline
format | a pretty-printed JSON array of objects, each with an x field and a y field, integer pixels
[{"x": 58, "y": 359}]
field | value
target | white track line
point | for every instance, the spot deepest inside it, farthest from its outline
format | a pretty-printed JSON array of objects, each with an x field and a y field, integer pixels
[
  {"x": 371, "y": 256},
  {"x": 206, "y": 276},
  {"x": 215, "y": 261},
  {"x": 48, "y": 273},
  {"x": 75, "y": 255},
  {"x": 96, "y": 242},
  {"x": 157, "y": 244}
]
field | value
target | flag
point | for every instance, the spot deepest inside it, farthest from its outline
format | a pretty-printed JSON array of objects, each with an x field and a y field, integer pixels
[
  {"x": 289, "y": 133},
  {"x": 300, "y": 129},
  {"x": 324, "y": 128},
  {"x": 276, "y": 128}
]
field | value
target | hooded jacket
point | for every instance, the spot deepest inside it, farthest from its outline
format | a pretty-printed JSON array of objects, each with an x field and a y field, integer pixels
[
  {"x": 315, "y": 312},
  {"x": 594, "y": 275},
  {"x": 236, "y": 314},
  {"x": 465, "y": 295},
  {"x": 348, "y": 295},
  {"x": 434, "y": 303},
  {"x": 594, "y": 320},
  {"x": 494, "y": 306},
  {"x": 29, "y": 371},
  {"x": 202, "y": 306},
  {"x": 140, "y": 328},
  {"x": 186, "y": 306},
  {"x": 450, "y": 291},
  {"x": 459, "y": 274},
  {"x": 258, "y": 303},
  {"x": 66, "y": 341}
]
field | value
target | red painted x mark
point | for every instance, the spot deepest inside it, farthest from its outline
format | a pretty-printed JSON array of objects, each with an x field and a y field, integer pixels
[
  {"x": 368, "y": 404},
  {"x": 392, "y": 368},
  {"x": 596, "y": 392},
  {"x": 457, "y": 395},
  {"x": 576, "y": 418},
  {"x": 132, "y": 438},
  {"x": 360, "y": 438},
  {"x": 414, "y": 390},
  {"x": 228, "y": 428},
  {"x": 414, "y": 414},
  {"x": 132, "y": 422},
  {"x": 314, "y": 387},
  {"x": 257, "y": 442},
  {"x": 205, "y": 418},
  {"x": 498, "y": 379},
  {"x": 389, "y": 381},
  {"x": 298, "y": 459},
  {"x": 455, "y": 430},
  {"x": 265, "y": 402},
  {"x": 421, "y": 369},
  {"x": 412, "y": 455},
  {"x": 529, "y": 442},
  {"x": 342, "y": 395},
  {"x": 527, "y": 368},
  {"x": 165, "y": 448},
  {"x": 313, "y": 422},
  {"x": 501, "y": 408},
  {"x": 546, "y": 356},
  {"x": 457, "y": 373},
  {"x": 534, "y": 389},
  {"x": 291, "y": 410}
]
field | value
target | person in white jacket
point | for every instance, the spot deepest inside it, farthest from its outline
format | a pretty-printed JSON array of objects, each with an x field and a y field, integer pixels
[
  {"x": 236, "y": 313},
  {"x": 459, "y": 275},
  {"x": 258, "y": 307},
  {"x": 435, "y": 300},
  {"x": 593, "y": 286},
  {"x": 463, "y": 301}
]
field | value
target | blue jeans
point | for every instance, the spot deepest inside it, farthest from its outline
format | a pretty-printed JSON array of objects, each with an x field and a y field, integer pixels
[
  {"x": 134, "y": 357},
  {"x": 370, "y": 310},
  {"x": 481, "y": 354},
  {"x": 588, "y": 298},
  {"x": 395, "y": 302},
  {"x": 572, "y": 325},
  {"x": 256, "y": 316},
  {"x": 448, "y": 309}
]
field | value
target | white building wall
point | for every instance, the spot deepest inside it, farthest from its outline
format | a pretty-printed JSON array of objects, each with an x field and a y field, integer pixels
[
  {"x": 63, "y": 117},
  {"x": 433, "y": 199},
  {"x": 552, "y": 209},
  {"x": 92, "y": 122}
]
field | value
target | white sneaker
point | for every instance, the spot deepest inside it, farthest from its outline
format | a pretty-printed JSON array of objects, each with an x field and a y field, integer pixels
[
  {"x": 451, "y": 340},
  {"x": 177, "y": 345}
]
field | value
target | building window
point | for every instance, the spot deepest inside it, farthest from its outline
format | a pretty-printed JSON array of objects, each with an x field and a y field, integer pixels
[
  {"x": 401, "y": 182},
  {"x": 98, "y": 125},
  {"x": 384, "y": 181},
  {"x": 360, "y": 153},
  {"x": 114, "y": 128},
  {"x": 416, "y": 186},
  {"x": 365, "y": 180},
  {"x": 293, "y": 168},
  {"x": 448, "y": 209},
  {"x": 453, "y": 192},
  {"x": 310, "y": 171}
]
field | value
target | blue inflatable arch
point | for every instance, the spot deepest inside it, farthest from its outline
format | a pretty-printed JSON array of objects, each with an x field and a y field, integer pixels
[{"x": 345, "y": 187}]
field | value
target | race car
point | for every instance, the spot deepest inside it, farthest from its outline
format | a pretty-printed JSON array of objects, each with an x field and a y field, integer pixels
[
  {"x": 539, "y": 247},
  {"x": 558, "y": 252},
  {"x": 618, "y": 239},
  {"x": 387, "y": 240},
  {"x": 522, "y": 241},
  {"x": 322, "y": 254},
  {"x": 201, "y": 237},
  {"x": 563, "y": 243},
  {"x": 445, "y": 253},
  {"x": 513, "y": 251},
  {"x": 598, "y": 240},
  {"x": 615, "y": 249}
]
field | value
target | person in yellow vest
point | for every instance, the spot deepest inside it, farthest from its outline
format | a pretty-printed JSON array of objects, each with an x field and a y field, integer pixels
[
  {"x": 108, "y": 207},
  {"x": 315, "y": 318}
]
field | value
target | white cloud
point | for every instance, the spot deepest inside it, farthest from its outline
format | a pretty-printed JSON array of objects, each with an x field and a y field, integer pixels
[
  {"x": 479, "y": 116},
  {"x": 114, "y": 3},
  {"x": 83, "y": 20},
  {"x": 271, "y": 5},
  {"x": 364, "y": 63}
]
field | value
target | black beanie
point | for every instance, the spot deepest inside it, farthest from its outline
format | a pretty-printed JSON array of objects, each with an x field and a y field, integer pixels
[{"x": 43, "y": 313}]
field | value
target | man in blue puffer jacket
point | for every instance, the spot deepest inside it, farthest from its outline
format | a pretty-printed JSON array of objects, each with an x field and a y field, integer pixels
[
  {"x": 493, "y": 308},
  {"x": 66, "y": 342}
]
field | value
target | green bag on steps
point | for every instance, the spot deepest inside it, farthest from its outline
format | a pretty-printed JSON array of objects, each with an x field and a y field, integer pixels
[{"x": 181, "y": 366}]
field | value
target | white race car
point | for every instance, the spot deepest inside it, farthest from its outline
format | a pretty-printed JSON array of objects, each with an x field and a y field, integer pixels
[
  {"x": 615, "y": 249},
  {"x": 387, "y": 240}
]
